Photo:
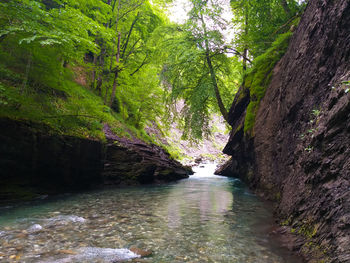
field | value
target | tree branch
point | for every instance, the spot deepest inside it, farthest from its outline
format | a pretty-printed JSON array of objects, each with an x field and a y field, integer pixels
[
  {"x": 129, "y": 34},
  {"x": 286, "y": 24},
  {"x": 234, "y": 51},
  {"x": 131, "y": 50},
  {"x": 142, "y": 64}
]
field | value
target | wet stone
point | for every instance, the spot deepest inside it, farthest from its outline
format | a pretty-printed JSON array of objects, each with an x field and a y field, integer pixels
[{"x": 141, "y": 252}]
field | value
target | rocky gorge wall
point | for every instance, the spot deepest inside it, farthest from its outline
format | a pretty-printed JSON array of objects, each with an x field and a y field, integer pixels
[
  {"x": 35, "y": 160},
  {"x": 298, "y": 153},
  {"x": 132, "y": 161}
]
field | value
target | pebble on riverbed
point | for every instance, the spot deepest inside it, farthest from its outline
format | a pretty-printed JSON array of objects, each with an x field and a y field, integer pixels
[
  {"x": 141, "y": 252},
  {"x": 35, "y": 228}
]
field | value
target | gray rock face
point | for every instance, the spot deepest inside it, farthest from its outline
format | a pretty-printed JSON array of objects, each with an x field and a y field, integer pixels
[
  {"x": 32, "y": 157},
  {"x": 133, "y": 161},
  {"x": 34, "y": 160},
  {"x": 300, "y": 154}
]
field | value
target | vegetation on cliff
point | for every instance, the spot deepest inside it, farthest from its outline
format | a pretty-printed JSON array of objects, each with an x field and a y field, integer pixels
[
  {"x": 259, "y": 76},
  {"x": 59, "y": 66}
]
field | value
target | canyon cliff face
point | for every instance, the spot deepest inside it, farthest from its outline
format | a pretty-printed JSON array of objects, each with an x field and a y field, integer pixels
[
  {"x": 36, "y": 161},
  {"x": 298, "y": 153},
  {"x": 132, "y": 161}
]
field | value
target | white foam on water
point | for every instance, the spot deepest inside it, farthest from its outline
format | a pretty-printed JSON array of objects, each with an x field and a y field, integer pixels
[{"x": 96, "y": 254}]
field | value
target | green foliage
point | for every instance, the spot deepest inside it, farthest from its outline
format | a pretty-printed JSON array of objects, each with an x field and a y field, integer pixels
[
  {"x": 78, "y": 113},
  {"x": 309, "y": 148},
  {"x": 259, "y": 22},
  {"x": 259, "y": 76},
  {"x": 346, "y": 85},
  {"x": 316, "y": 113},
  {"x": 47, "y": 47},
  {"x": 34, "y": 25},
  {"x": 196, "y": 66},
  {"x": 60, "y": 63}
]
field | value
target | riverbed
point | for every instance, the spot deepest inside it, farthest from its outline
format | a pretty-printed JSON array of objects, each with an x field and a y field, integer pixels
[{"x": 205, "y": 218}]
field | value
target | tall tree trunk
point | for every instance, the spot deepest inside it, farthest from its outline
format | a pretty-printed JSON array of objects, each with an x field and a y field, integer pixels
[
  {"x": 129, "y": 34},
  {"x": 93, "y": 78},
  {"x": 117, "y": 56},
  {"x": 245, "y": 51},
  {"x": 24, "y": 86},
  {"x": 213, "y": 75},
  {"x": 216, "y": 89}
]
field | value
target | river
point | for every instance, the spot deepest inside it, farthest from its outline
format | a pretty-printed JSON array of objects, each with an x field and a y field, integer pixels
[{"x": 205, "y": 218}]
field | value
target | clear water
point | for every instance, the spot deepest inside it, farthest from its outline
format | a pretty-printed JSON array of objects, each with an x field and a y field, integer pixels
[{"x": 205, "y": 218}]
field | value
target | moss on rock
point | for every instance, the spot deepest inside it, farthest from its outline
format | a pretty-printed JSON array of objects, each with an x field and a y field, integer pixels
[{"x": 258, "y": 78}]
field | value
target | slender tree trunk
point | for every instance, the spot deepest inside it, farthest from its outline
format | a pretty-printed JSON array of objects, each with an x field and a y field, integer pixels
[
  {"x": 99, "y": 85},
  {"x": 245, "y": 51},
  {"x": 101, "y": 65},
  {"x": 117, "y": 56},
  {"x": 216, "y": 89},
  {"x": 213, "y": 75},
  {"x": 24, "y": 86},
  {"x": 106, "y": 95},
  {"x": 129, "y": 34},
  {"x": 93, "y": 79},
  {"x": 102, "y": 61},
  {"x": 112, "y": 57}
]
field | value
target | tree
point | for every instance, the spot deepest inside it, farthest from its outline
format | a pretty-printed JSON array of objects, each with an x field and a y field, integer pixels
[
  {"x": 197, "y": 65},
  {"x": 257, "y": 22},
  {"x": 105, "y": 40}
]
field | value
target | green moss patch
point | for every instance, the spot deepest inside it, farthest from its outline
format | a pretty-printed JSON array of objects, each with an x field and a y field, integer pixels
[{"x": 259, "y": 76}]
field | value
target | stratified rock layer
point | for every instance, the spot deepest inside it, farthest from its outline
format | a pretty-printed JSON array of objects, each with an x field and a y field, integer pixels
[
  {"x": 35, "y": 161},
  {"x": 134, "y": 161},
  {"x": 299, "y": 153}
]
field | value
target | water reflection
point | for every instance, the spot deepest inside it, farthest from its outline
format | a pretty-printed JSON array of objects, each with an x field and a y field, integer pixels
[{"x": 197, "y": 195}]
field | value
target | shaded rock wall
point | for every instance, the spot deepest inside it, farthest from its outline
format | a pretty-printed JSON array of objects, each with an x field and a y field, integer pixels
[
  {"x": 299, "y": 155},
  {"x": 32, "y": 157},
  {"x": 134, "y": 161},
  {"x": 35, "y": 160}
]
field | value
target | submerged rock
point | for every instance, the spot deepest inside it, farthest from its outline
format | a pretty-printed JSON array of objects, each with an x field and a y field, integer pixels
[
  {"x": 94, "y": 254},
  {"x": 141, "y": 252},
  {"x": 35, "y": 228},
  {"x": 64, "y": 219}
]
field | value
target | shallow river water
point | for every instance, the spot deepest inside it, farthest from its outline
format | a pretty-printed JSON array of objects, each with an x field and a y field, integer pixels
[{"x": 205, "y": 218}]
